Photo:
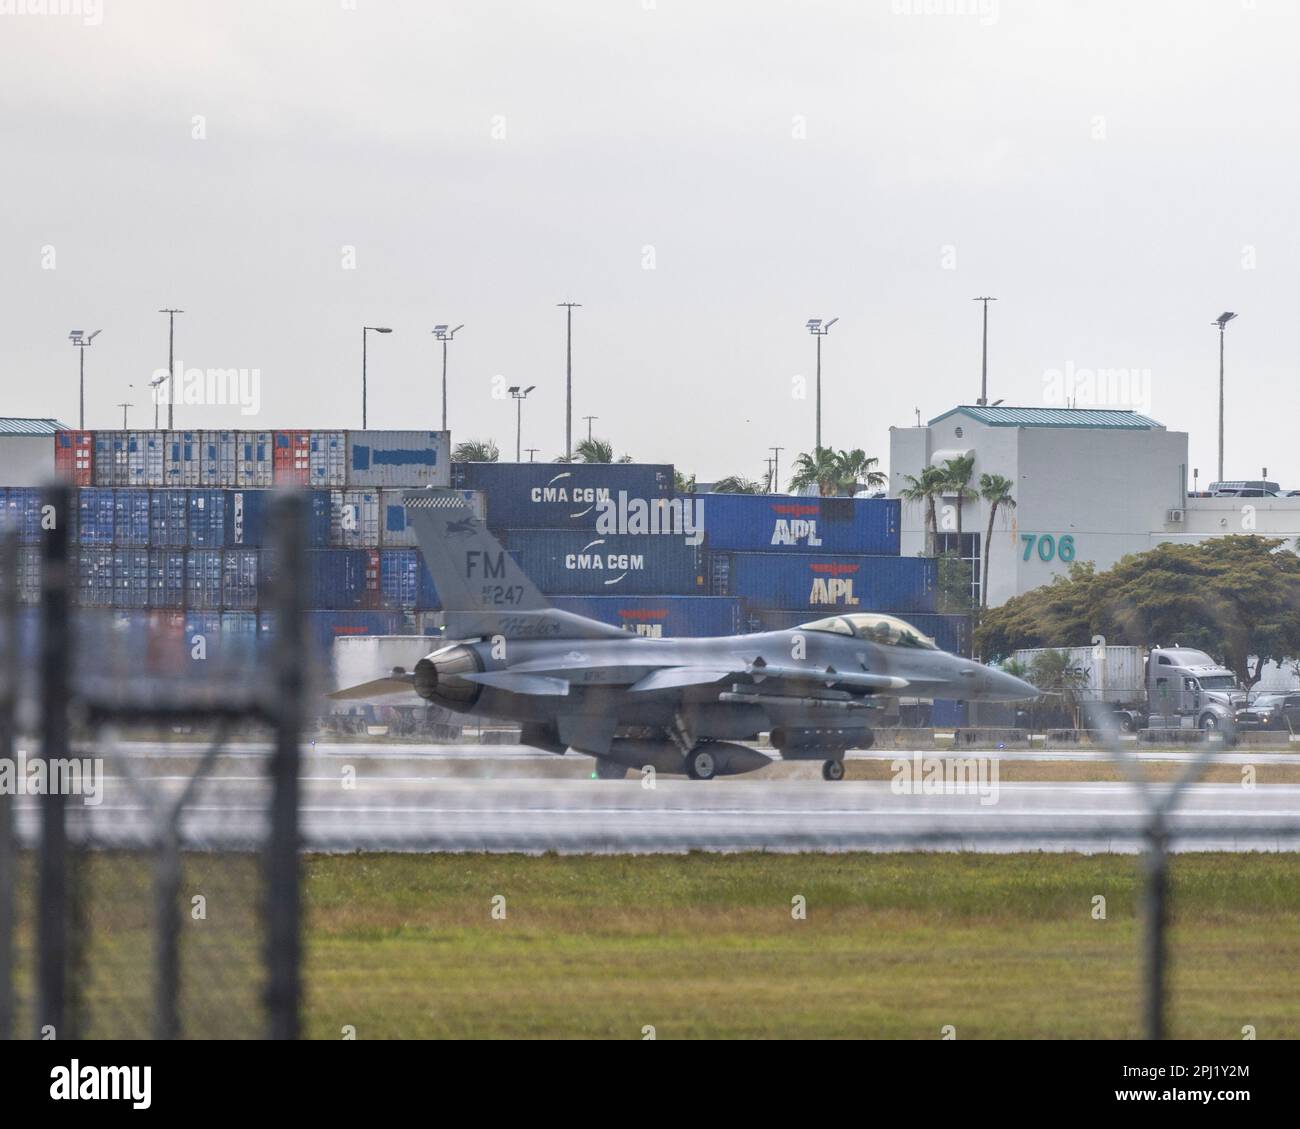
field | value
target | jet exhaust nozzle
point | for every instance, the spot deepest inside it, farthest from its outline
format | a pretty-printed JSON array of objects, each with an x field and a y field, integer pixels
[{"x": 437, "y": 678}]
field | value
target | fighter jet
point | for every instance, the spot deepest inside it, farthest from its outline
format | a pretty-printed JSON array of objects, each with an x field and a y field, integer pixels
[{"x": 679, "y": 705}]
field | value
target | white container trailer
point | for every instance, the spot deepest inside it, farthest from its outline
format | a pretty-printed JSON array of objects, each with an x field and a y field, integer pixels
[
  {"x": 1115, "y": 674},
  {"x": 398, "y": 459}
]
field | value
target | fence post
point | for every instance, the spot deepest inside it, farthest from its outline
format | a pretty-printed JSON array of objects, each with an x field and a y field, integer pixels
[
  {"x": 284, "y": 940},
  {"x": 8, "y": 842},
  {"x": 1155, "y": 915},
  {"x": 167, "y": 938},
  {"x": 52, "y": 890}
]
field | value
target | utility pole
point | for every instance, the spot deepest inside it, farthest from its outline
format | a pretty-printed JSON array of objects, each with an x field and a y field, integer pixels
[
  {"x": 819, "y": 330},
  {"x": 1222, "y": 322},
  {"x": 776, "y": 469},
  {"x": 82, "y": 341},
  {"x": 519, "y": 397},
  {"x": 531, "y": 452},
  {"x": 984, "y": 357},
  {"x": 568, "y": 380},
  {"x": 444, "y": 335},
  {"x": 124, "y": 407},
  {"x": 171, "y": 362},
  {"x": 589, "y": 419},
  {"x": 364, "y": 330}
]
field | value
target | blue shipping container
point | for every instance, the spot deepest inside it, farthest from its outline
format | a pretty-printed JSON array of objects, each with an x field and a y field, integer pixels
[
  {"x": 580, "y": 562},
  {"x": 248, "y": 524},
  {"x": 342, "y": 578},
  {"x": 323, "y": 627},
  {"x": 561, "y": 495},
  {"x": 167, "y": 578},
  {"x": 207, "y": 519},
  {"x": 203, "y": 579},
  {"x": 131, "y": 518},
  {"x": 239, "y": 579},
  {"x": 22, "y": 512},
  {"x": 660, "y": 616},
  {"x": 815, "y": 581},
  {"x": 169, "y": 519},
  {"x": 773, "y": 522},
  {"x": 130, "y": 578},
  {"x": 96, "y": 515}
]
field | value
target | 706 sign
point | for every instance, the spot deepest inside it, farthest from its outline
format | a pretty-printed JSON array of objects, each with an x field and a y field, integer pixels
[{"x": 1049, "y": 547}]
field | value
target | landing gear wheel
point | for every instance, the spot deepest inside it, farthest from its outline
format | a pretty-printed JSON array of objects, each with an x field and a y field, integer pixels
[
  {"x": 833, "y": 770},
  {"x": 700, "y": 765},
  {"x": 607, "y": 769}
]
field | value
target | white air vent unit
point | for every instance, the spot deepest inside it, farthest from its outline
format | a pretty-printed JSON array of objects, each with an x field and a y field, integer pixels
[{"x": 1174, "y": 517}]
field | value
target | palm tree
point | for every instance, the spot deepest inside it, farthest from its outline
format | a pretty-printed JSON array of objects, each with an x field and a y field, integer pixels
[
  {"x": 682, "y": 484},
  {"x": 996, "y": 491},
  {"x": 594, "y": 451},
  {"x": 820, "y": 469},
  {"x": 739, "y": 484},
  {"x": 925, "y": 488},
  {"x": 475, "y": 451},
  {"x": 956, "y": 473},
  {"x": 857, "y": 471}
]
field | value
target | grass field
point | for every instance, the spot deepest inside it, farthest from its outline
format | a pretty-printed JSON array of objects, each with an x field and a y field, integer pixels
[{"x": 893, "y": 945}]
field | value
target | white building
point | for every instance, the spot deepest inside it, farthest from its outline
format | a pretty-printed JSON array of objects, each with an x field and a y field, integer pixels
[{"x": 1090, "y": 484}]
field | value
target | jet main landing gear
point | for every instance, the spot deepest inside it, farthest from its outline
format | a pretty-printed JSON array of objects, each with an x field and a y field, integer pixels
[{"x": 833, "y": 770}]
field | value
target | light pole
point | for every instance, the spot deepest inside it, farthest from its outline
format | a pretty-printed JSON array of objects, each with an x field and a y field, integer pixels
[
  {"x": 984, "y": 361},
  {"x": 443, "y": 334},
  {"x": 1222, "y": 322},
  {"x": 124, "y": 406},
  {"x": 568, "y": 380},
  {"x": 819, "y": 330},
  {"x": 364, "y": 330},
  {"x": 82, "y": 342},
  {"x": 171, "y": 361},
  {"x": 776, "y": 469},
  {"x": 519, "y": 398}
]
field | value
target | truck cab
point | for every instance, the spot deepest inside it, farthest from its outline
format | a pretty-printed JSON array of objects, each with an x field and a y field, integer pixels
[{"x": 1183, "y": 683}]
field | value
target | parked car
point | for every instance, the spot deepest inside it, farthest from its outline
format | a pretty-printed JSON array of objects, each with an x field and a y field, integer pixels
[{"x": 1271, "y": 711}]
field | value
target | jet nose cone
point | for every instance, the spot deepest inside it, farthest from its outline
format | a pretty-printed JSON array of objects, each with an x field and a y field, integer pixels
[{"x": 1009, "y": 688}]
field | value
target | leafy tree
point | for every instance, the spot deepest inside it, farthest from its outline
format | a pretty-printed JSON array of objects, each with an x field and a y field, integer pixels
[
  {"x": 1061, "y": 682},
  {"x": 956, "y": 481},
  {"x": 682, "y": 484},
  {"x": 820, "y": 469},
  {"x": 858, "y": 472},
  {"x": 739, "y": 484},
  {"x": 996, "y": 491},
  {"x": 475, "y": 451},
  {"x": 1233, "y": 597},
  {"x": 926, "y": 489},
  {"x": 954, "y": 582}
]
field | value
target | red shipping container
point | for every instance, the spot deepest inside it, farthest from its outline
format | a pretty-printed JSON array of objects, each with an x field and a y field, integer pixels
[
  {"x": 374, "y": 595},
  {"x": 74, "y": 456},
  {"x": 292, "y": 458}
]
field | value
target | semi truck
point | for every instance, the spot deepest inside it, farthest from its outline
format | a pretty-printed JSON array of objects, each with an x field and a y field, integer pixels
[{"x": 1163, "y": 688}]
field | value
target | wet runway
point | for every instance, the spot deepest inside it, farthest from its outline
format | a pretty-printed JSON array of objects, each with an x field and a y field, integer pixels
[{"x": 475, "y": 798}]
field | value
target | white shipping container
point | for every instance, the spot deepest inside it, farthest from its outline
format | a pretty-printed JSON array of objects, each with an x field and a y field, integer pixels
[
  {"x": 354, "y": 519},
  {"x": 1115, "y": 674},
  {"x": 327, "y": 459},
  {"x": 145, "y": 458},
  {"x": 217, "y": 458},
  {"x": 182, "y": 460},
  {"x": 255, "y": 458},
  {"x": 398, "y": 458}
]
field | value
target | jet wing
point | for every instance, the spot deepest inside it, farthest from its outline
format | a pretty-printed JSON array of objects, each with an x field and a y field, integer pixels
[
  {"x": 674, "y": 677},
  {"x": 391, "y": 684}
]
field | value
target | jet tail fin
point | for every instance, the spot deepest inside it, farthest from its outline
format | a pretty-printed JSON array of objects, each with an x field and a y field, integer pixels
[
  {"x": 470, "y": 569},
  {"x": 483, "y": 590}
]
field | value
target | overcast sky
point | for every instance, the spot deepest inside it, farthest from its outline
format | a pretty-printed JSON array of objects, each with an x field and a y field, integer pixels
[{"x": 1117, "y": 174}]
